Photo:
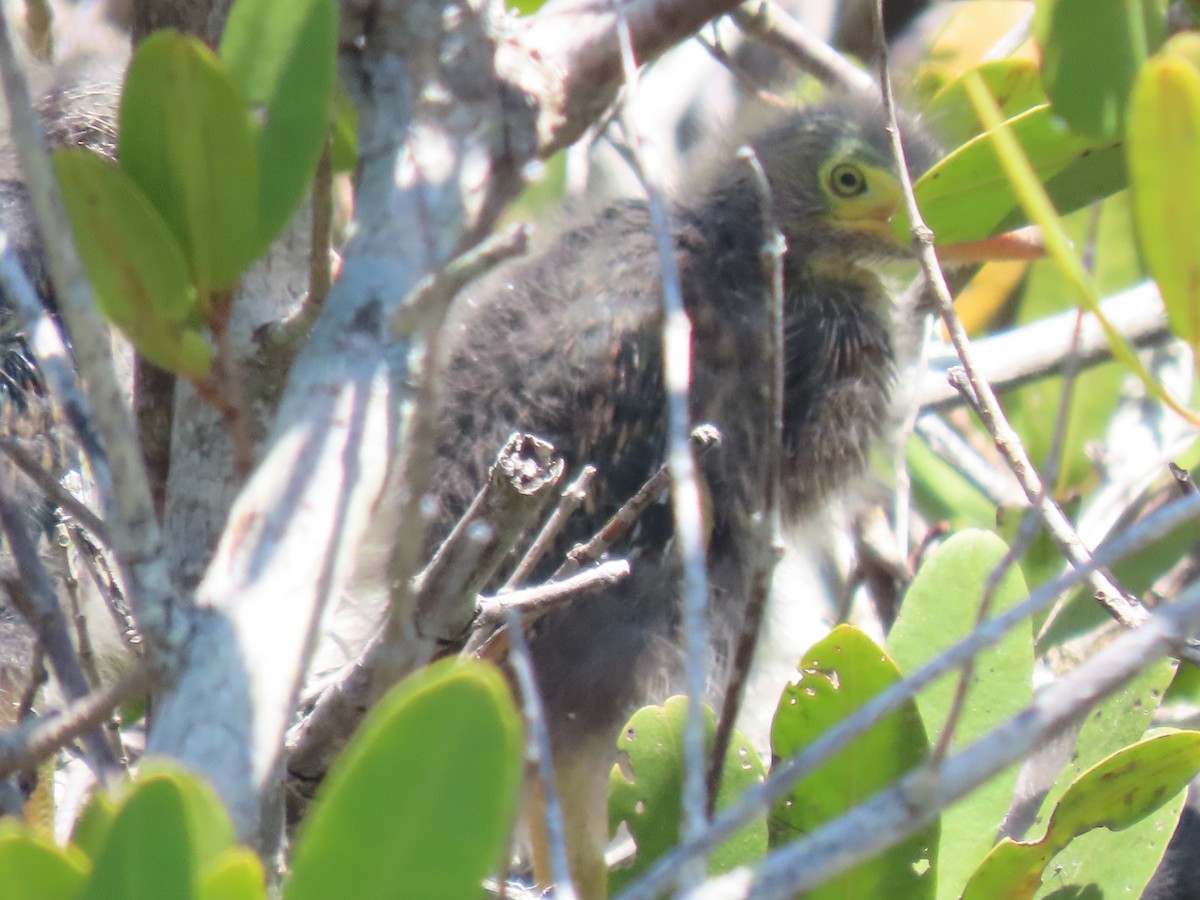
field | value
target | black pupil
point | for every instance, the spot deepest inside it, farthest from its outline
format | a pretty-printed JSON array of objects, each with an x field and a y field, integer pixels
[{"x": 848, "y": 180}]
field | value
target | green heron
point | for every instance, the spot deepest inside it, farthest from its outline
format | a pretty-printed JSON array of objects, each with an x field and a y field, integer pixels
[{"x": 567, "y": 345}]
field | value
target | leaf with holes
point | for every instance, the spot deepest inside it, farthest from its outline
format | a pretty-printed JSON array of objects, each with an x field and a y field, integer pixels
[
  {"x": 1116, "y": 793},
  {"x": 838, "y": 676},
  {"x": 645, "y": 790}
]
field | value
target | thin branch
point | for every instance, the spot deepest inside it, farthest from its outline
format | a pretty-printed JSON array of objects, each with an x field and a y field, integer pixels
[
  {"x": 1183, "y": 479},
  {"x": 423, "y": 312},
  {"x": 430, "y": 298},
  {"x": 320, "y": 271},
  {"x": 572, "y": 498},
  {"x": 704, "y": 438},
  {"x": 518, "y": 487},
  {"x": 33, "y": 596},
  {"x": 534, "y": 602},
  {"x": 768, "y": 23},
  {"x": 758, "y": 800},
  {"x": 685, "y": 491},
  {"x": 28, "y": 464},
  {"x": 83, "y": 640},
  {"x": 38, "y": 678},
  {"x": 746, "y": 81},
  {"x": 1016, "y": 357},
  {"x": 28, "y": 746},
  {"x": 902, "y": 493},
  {"x": 537, "y": 754},
  {"x": 519, "y": 484},
  {"x": 102, "y": 577},
  {"x": 944, "y": 440},
  {"x": 770, "y": 527}
]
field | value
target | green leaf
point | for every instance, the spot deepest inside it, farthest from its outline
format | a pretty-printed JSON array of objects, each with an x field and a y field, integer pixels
[
  {"x": 649, "y": 799},
  {"x": 1117, "y": 863},
  {"x": 1105, "y": 863},
  {"x": 165, "y": 830},
  {"x": 941, "y": 608},
  {"x": 1015, "y": 83},
  {"x": 187, "y": 139},
  {"x": 236, "y": 874},
  {"x": 92, "y": 826},
  {"x": 422, "y": 797},
  {"x": 839, "y": 675},
  {"x": 1115, "y": 794},
  {"x": 1091, "y": 51},
  {"x": 133, "y": 262},
  {"x": 209, "y": 828},
  {"x": 282, "y": 57},
  {"x": 524, "y": 7},
  {"x": 967, "y": 195},
  {"x": 1164, "y": 147},
  {"x": 33, "y": 868}
]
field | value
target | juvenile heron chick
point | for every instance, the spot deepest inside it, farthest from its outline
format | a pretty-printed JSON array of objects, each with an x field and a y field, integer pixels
[{"x": 567, "y": 345}]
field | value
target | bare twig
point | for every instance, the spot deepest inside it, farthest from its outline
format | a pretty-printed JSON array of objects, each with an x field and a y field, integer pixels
[
  {"x": 83, "y": 640},
  {"x": 770, "y": 527},
  {"x": 685, "y": 492},
  {"x": 534, "y": 602},
  {"x": 572, "y": 497},
  {"x": 758, "y": 800},
  {"x": 229, "y": 395},
  {"x": 519, "y": 484},
  {"x": 717, "y": 51},
  {"x": 537, "y": 755},
  {"x": 423, "y": 312},
  {"x": 1033, "y": 351},
  {"x": 28, "y": 746},
  {"x": 38, "y": 677},
  {"x": 993, "y": 482},
  {"x": 55, "y": 492},
  {"x": 704, "y": 438},
  {"x": 1183, "y": 479},
  {"x": 33, "y": 596},
  {"x": 102, "y": 577},
  {"x": 320, "y": 271},
  {"x": 775, "y": 28},
  {"x": 431, "y": 297}
]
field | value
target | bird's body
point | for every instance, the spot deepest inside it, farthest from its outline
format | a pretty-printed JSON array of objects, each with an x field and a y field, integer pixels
[{"x": 567, "y": 345}]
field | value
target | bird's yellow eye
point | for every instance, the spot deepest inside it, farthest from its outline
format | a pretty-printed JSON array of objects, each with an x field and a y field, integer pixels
[{"x": 847, "y": 180}]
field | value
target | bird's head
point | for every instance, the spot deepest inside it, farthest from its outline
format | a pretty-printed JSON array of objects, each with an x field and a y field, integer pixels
[
  {"x": 835, "y": 187},
  {"x": 833, "y": 180}
]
